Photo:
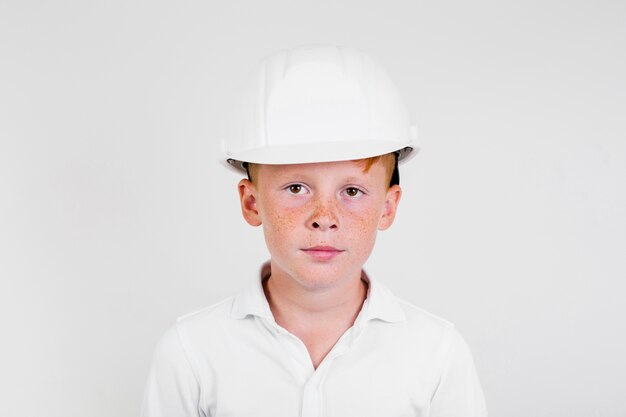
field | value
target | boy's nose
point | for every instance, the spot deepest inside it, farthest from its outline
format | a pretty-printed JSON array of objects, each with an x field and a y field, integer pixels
[{"x": 324, "y": 218}]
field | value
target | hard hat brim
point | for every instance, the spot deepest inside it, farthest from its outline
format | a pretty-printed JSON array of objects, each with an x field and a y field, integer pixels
[{"x": 318, "y": 152}]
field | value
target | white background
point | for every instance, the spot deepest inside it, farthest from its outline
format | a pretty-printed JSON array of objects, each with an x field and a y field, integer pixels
[{"x": 116, "y": 217}]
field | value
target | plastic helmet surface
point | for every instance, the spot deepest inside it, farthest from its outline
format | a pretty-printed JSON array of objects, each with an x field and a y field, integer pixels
[{"x": 318, "y": 104}]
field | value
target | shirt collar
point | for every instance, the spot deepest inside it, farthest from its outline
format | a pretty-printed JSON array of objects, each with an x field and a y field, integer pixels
[
  {"x": 380, "y": 303},
  {"x": 251, "y": 301}
]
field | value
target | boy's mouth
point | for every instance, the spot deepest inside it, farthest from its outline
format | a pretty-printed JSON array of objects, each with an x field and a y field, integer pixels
[{"x": 322, "y": 253}]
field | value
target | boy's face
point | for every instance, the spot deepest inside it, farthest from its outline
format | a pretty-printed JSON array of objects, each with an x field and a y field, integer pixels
[{"x": 320, "y": 220}]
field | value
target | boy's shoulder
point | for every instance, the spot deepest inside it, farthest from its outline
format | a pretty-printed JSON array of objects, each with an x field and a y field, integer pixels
[
  {"x": 418, "y": 315},
  {"x": 415, "y": 322},
  {"x": 212, "y": 314}
]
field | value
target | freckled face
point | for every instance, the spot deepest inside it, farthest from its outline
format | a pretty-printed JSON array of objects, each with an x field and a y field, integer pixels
[{"x": 319, "y": 220}]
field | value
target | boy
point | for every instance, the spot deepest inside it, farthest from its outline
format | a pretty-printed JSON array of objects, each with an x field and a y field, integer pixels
[{"x": 320, "y": 142}]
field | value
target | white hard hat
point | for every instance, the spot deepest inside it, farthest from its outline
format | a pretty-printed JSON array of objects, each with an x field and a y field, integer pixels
[{"x": 319, "y": 104}]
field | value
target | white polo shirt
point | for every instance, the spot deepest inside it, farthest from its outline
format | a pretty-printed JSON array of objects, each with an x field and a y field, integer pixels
[{"x": 232, "y": 359}]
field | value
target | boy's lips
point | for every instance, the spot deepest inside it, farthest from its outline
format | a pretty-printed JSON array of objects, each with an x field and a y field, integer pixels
[{"x": 322, "y": 253}]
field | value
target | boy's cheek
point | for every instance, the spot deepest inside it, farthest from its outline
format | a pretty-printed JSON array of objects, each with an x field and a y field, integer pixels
[{"x": 280, "y": 225}]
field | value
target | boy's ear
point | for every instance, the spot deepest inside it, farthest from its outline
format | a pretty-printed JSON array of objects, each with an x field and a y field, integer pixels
[
  {"x": 391, "y": 207},
  {"x": 247, "y": 198}
]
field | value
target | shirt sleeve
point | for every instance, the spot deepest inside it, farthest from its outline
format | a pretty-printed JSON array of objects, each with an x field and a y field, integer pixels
[
  {"x": 172, "y": 389},
  {"x": 459, "y": 393}
]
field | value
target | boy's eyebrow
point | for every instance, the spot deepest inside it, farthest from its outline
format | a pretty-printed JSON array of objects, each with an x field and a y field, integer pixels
[
  {"x": 356, "y": 179},
  {"x": 303, "y": 177},
  {"x": 291, "y": 176}
]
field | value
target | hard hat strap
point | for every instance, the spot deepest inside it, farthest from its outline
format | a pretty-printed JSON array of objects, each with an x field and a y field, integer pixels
[
  {"x": 245, "y": 165},
  {"x": 395, "y": 176}
]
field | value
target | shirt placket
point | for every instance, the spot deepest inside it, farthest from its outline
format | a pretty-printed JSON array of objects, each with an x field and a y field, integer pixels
[
  {"x": 313, "y": 379},
  {"x": 313, "y": 392}
]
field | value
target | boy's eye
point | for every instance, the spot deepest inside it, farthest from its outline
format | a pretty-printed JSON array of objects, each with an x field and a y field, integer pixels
[
  {"x": 352, "y": 191},
  {"x": 295, "y": 188}
]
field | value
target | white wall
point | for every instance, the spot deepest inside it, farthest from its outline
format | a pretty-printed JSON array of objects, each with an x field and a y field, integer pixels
[{"x": 115, "y": 216}]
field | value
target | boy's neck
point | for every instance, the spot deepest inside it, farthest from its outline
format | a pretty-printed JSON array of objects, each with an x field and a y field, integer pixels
[{"x": 298, "y": 308}]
